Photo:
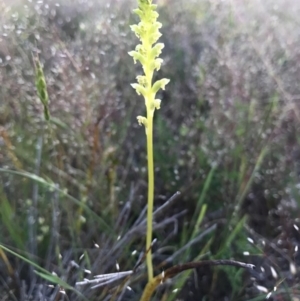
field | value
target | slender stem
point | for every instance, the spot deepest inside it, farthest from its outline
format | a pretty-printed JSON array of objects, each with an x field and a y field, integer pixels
[{"x": 149, "y": 133}]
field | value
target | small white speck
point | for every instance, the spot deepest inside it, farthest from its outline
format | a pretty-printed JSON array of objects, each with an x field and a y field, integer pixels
[
  {"x": 250, "y": 240},
  {"x": 293, "y": 268},
  {"x": 175, "y": 290},
  {"x": 269, "y": 295},
  {"x": 262, "y": 289},
  {"x": 74, "y": 264},
  {"x": 274, "y": 273},
  {"x": 81, "y": 256},
  {"x": 87, "y": 271},
  {"x": 82, "y": 26},
  {"x": 296, "y": 248},
  {"x": 246, "y": 253},
  {"x": 296, "y": 227},
  {"x": 96, "y": 246},
  {"x": 117, "y": 267},
  {"x": 134, "y": 252}
]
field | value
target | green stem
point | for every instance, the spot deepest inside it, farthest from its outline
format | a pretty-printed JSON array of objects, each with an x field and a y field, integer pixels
[{"x": 149, "y": 133}]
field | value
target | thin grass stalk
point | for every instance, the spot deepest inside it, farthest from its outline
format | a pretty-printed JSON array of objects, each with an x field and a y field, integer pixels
[{"x": 32, "y": 212}]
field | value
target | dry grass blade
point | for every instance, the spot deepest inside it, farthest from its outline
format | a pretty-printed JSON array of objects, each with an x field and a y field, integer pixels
[
  {"x": 173, "y": 271},
  {"x": 7, "y": 263}
]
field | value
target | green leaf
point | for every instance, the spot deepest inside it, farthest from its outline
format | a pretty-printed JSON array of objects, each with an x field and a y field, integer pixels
[{"x": 55, "y": 279}]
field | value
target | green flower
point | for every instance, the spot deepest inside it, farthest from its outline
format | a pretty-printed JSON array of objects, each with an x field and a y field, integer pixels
[{"x": 147, "y": 53}]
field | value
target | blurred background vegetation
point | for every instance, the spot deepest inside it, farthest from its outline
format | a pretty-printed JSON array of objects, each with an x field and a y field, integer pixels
[{"x": 226, "y": 137}]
